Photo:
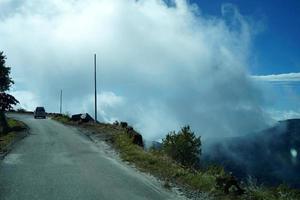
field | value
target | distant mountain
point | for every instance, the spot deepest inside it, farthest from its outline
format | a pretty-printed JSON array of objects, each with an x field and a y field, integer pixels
[
  {"x": 272, "y": 156},
  {"x": 152, "y": 144}
]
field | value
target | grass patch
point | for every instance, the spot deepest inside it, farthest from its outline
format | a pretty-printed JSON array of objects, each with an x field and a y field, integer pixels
[
  {"x": 282, "y": 192},
  {"x": 12, "y": 122},
  {"x": 157, "y": 163},
  {"x": 6, "y": 140},
  {"x": 62, "y": 118},
  {"x": 14, "y": 126}
]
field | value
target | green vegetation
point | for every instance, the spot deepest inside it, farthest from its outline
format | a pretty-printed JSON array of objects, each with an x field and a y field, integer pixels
[
  {"x": 160, "y": 164},
  {"x": 5, "y": 79},
  {"x": 6, "y": 140},
  {"x": 12, "y": 123},
  {"x": 282, "y": 192},
  {"x": 6, "y": 100},
  {"x": 183, "y": 147},
  {"x": 21, "y": 110},
  {"x": 14, "y": 127},
  {"x": 61, "y": 118}
]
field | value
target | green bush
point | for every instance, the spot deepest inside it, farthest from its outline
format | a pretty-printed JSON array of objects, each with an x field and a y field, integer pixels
[
  {"x": 64, "y": 118},
  {"x": 183, "y": 147},
  {"x": 21, "y": 110}
]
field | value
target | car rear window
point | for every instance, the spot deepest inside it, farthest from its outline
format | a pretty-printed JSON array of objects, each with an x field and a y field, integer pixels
[{"x": 40, "y": 109}]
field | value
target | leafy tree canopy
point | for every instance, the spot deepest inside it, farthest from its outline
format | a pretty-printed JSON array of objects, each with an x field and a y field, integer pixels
[
  {"x": 7, "y": 101},
  {"x": 5, "y": 80},
  {"x": 184, "y": 147}
]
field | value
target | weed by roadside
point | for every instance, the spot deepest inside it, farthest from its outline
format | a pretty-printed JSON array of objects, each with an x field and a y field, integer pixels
[
  {"x": 62, "y": 118},
  {"x": 14, "y": 126}
]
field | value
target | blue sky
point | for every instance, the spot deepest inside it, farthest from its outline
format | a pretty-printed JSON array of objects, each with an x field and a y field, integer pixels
[{"x": 276, "y": 48}]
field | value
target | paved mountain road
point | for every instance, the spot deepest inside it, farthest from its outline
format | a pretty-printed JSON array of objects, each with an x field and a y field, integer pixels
[{"x": 56, "y": 162}]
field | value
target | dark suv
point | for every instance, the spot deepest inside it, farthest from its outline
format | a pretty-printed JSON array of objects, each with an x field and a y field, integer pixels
[{"x": 40, "y": 113}]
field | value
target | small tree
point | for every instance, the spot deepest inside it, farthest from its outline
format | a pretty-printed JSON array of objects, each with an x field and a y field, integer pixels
[
  {"x": 184, "y": 147},
  {"x": 5, "y": 80},
  {"x": 6, "y": 100}
]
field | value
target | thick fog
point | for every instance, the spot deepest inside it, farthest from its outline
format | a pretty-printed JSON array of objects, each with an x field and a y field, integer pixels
[{"x": 159, "y": 66}]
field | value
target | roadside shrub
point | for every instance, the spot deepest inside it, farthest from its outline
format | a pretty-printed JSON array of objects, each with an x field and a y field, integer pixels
[
  {"x": 123, "y": 124},
  {"x": 183, "y": 147},
  {"x": 21, "y": 110},
  {"x": 64, "y": 118}
]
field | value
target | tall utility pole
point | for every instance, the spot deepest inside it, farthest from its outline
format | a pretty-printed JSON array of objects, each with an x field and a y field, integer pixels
[
  {"x": 95, "y": 78},
  {"x": 60, "y": 107}
]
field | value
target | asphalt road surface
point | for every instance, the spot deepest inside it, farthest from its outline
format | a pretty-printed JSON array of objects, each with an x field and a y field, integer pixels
[{"x": 57, "y": 162}]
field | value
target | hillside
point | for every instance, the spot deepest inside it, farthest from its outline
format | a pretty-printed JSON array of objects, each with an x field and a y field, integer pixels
[{"x": 271, "y": 156}]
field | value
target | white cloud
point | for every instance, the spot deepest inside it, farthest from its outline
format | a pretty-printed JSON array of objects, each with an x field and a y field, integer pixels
[
  {"x": 279, "y": 115},
  {"x": 170, "y": 65},
  {"x": 28, "y": 100},
  {"x": 109, "y": 105},
  {"x": 289, "y": 77}
]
